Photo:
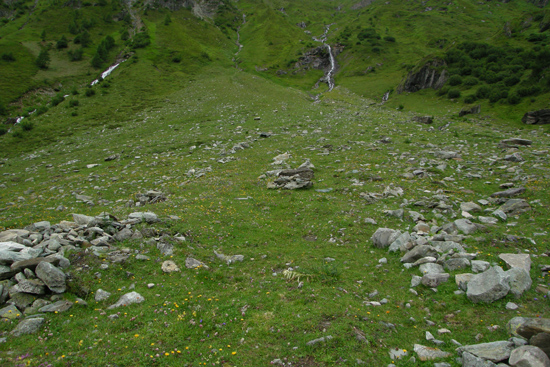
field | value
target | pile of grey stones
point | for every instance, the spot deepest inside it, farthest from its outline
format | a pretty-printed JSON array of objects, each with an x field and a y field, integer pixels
[
  {"x": 435, "y": 252},
  {"x": 33, "y": 265}
]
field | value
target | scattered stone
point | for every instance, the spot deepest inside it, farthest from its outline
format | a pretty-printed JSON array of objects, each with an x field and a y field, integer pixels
[
  {"x": 488, "y": 286},
  {"x": 469, "y": 360},
  {"x": 457, "y": 263},
  {"x": 292, "y": 179},
  {"x": 319, "y": 340},
  {"x": 470, "y": 207},
  {"x": 191, "y": 263},
  {"x": 128, "y": 299},
  {"x": 466, "y": 226},
  {"x": 148, "y": 217},
  {"x": 511, "y": 306},
  {"x": 509, "y": 193},
  {"x": 418, "y": 252},
  {"x": 514, "y": 157},
  {"x": 519, "y": 281},
  {"x": 516, "y": 141},
  {"x": 541, "y": 340},
  {"x": 528, "y": 356},
  {"x": 428, "y": 354},
  {"x": 517, "y": 261},
  {"x": 59, "y": 306},
  {"x": 52, "y": 277},
  {"x": 397, "y": 353},
  {"x": 169, "y": 267},
  {"x": 494, "y": 351},
  {"x": 10, "y": 312},
  {"x": 528, "y": 327},
  {"x": 384, "y": 237},
  {"x": 101, "y": 295},
  {"x": 433, "y": 280},
  {"x": 229, "y": 259},
  {"x": 28, "y": 326},
  {"x": 470, "y": 111},
  {"x": 539, "y": 117},
  {"x": 479, "y": 266}
]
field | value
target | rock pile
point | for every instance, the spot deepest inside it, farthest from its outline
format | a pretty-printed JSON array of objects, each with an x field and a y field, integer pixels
[{"x": 32, "y": 262}]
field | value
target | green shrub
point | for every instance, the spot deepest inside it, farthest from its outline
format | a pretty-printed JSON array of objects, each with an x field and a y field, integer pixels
[
  {"x": 141, "y": 40},
  {"x": 76, "y": 55},
  {"x": 41, "y": 110},
  {"x": 26, "y": 125},
  {"x": 513, "y": 98},
  {"x": 470, "y": 81},
  {"x": 3, "y": 130},
  {"x": 442, "y": 91},
  {"x": 8, "y": 56},
  {"x": 453, "y": 93},
  {"x": 470, "y": 99},
  {"x": 17, "y": 133},
  {"x": 89, "y": 92},
  {"x": 389, "y": 39},
  {"x": 43, "y": 59},
  {"x": 511, "y": 81},
  {"x": 74, "y": 103},
  {"x": 455, "y": 80},
  {"x": 483, "y": 92},
  {"x": 62, "y": 43},
  {"x": 57, "y": 99},
  {"x": 497, "y": 93}
]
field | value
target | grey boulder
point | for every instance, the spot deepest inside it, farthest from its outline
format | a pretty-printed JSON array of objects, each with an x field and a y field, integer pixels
[
  {"x": 528, "y": 356},
  {"x": 383, "y": 237},
  {"x": 52, "y": 277},
  {"x": 488, "y": 286}
]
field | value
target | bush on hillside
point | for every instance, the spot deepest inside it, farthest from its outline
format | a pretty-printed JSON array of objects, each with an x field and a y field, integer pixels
[
  {"x": 453, "y": 93},
  {"x": 455, "y": 80}
]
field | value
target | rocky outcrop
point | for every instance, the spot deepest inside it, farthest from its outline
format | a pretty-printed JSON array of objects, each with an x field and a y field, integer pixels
[
  {"x": 431, "y": 75},
  {"x": 470, "y": 111},
  {"x": 539, "y": 117}
]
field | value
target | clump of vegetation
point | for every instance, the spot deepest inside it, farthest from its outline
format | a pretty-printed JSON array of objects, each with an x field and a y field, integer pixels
[
  {"x": 506, "y": 73},
  {"x": 43, "y": 59}
]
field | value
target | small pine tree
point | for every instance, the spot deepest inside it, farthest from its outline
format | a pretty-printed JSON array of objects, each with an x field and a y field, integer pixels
[
  {"x": 62, "y": 43},
  {"x": 97, "y": 61},
  {"x": 43, "y": 59},
  {"x": 43, "y": 35},
  {"x": 167, "y": 19}
]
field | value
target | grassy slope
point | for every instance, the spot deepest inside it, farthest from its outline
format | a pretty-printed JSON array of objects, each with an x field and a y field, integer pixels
[
  {"x": 152, "y": 112},
  {"x": 214, "y": 110}
]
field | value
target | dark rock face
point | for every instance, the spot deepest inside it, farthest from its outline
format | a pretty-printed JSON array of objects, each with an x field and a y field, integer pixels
[
  {"x": 470, "y": 111},
  {"x": 431, "y": 75},
  {"x": 540, "y": 3},
  {"x": 540, "y": 117}
]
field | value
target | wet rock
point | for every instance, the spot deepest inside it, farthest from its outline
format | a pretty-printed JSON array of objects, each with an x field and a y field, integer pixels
[
  {"x": 528, "y": 356},
  {"x": 488, "y": 286},
  {"x": 28, "y": 326},
  {"x": 52, "y": 277},
  {"x": 127, "y": 299}
]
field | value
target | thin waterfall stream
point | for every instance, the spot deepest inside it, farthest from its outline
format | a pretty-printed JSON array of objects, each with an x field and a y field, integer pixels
[{"x": 329, "y": 76}]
